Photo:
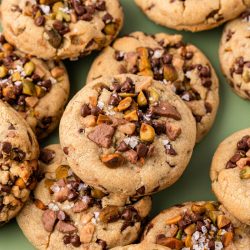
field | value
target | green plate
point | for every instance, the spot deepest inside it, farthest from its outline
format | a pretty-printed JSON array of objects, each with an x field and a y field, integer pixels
[{"x": 195, "y": 183}]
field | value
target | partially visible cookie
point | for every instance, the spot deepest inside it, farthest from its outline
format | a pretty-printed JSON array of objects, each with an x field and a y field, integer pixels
[
  {"x": 182, "y": 67},
  {"x": 192, "y": 15},
  {"x": 235, "y": 54},
  {"x": 61, "y": 29},
  {"x": 141, "y": 246},
  {"x": 19, "y": 152},
  {"x": 37, "y": 89},
  {"x": 127, "y": 134},
  {"x": 230, "y": 174},
  {"x": 66, "y": 213},
  {"x": 197, "y": 225}
]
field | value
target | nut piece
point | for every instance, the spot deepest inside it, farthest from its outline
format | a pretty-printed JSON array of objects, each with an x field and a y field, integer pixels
[
  {"x": 128, "y": 128},
  {"x": 89, "y": 121},
  {"x": 141, "y": 99},
  {"x": 170, "y": 242},
  {"x": 108, "y": 214},
  {"x": 146, "y": 72},
  {"x": 190, "y": 229},
  {"x": 103, "y": 119},
  {"x": 20, "y": 183},
  {"x": 222, "y": 221},
  {"x": 227, "y": 238},
  {"x": 147, "y": 133},
  {"x": 57, "y": 72},
  {"x": 198, "y": 209},
  {"x": 28, "y": 87},
  {"x": 54, "y": 38},
  {"x": 131, "y": 116},
  {"x": 245, "y": 173},
  {"x": 86, "y": 233},
  {"x": 96, "y": 193},
  {"x": 124, "y": 104},
  {"x": 173, "y": 131},
  {"x": 29, "y": 68},
  {"x": 153, "y": 95},
  {"x": 62, "y": 172},
  {"x": 170, "y": 73},
  {"x": 110, "y": 29},
  {"x": 113, "y": 160},
  {"x": 3, "y": 71},
  {"x": 174, "y": 220},
  {"x": 40, "y": 205},
  {"x": 144, "y": 62}
]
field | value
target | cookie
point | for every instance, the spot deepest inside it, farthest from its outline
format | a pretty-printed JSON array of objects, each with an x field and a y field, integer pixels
[
  {"x": 66, "y": 213},
  {"x": 166, "y": 58},
  {"x": 197, "y": 226},
  {"x": 235, "y": 54},
  {"x": 37, "y": 89},
  {"x": 147, "y": 246},
  {"x": 230, "y": 174},
  {"x": 127, "y": 134},
  {"x": 61, "y": 29},
  {"x": 19, "y": 152},
  {"x": 192, "y": 15}
]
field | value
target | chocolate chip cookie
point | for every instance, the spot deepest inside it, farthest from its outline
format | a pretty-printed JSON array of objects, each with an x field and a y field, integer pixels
[
  {"x": 37, "y": 89},
  {"x": 61, "y": 29},
  {"x": 192, "y": 15},
  {"x": 19, "y": 152},
  {"x": 235, "y": 54},
  {"x": 230, "y": 174},
  {"x": 66, "y": 213},
  {"x": 197, "y": 225},
  {"x": 166, "y": 58},
  {"x": 127, "y": 134}
]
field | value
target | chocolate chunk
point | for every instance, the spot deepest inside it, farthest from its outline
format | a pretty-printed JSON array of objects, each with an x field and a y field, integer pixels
[
  {"x": 107, "y": 18},
  {"x": 173, "y": 131},
  {"x": 242, "y": 144},
  {"x": 54, "y": 38},
  {"x": 167, "y": 110},
  {"x": 18, "y": 154},
  {"x": 61, "y": 215},
  {"x": 102, "y": 135},
  {"x": 75, "y": 240},
  {"x": 128, "y": 86},
  {"x": 66, "y": 150},
  {"x": 40, "y": 20},
  {"x": 167, "y": 58},
  {"x": 85, "y": 110},
  {"x": 122, "y": 147},
  {"x": 140, "y": 190},
  {"x": 119, "y": 56},
  {"x": 82, "y": 205},
  {"x": 66, "y": 239},
  {"x": 237, "y": 156},
  {"x": 62, "y": 194},
  {"x": 100, "y": 5},
  {"x": 142, "y": 150},
  {"x": 160, "y": 127},
  {"x": 131, "y": 155},
  {"x": 46, "y": 155},
  {"x": 102, "y": 243},
  {"x": 6, "y": 147},
  {"x": 49, "y": 218},
  {"x": 65, "y": 227},
  {"x": 114, "y": 99}
]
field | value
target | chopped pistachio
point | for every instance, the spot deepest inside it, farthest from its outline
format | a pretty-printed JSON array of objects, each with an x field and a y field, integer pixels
[
  {"x": 16, "y": 76},
  {"x": 179, "y": 234},
  {"x": 174, "y": 220},
  {"x": 153, "y": 95},
  {"x": 170, "y": 73},
  {"x": 222, "y": 221},
  {"x": 110, "y": 29},
  {"x": 198, "y": 209},
  {"x": 141, "y": 99},
  {"x": 56, "y": 6},
  {"x": 96, "y": 193},
  {"x": 62, "y": 172},
  {"x": 131, "y": 116},
  {"x": 147, "y": 133},
  {"x": 188, "y": 241},
  {"x": 107, "y": 213},
  {"x": 29, "y": 68},
  {"x": 127, "y": 94},
  {"x": 28, "y": 87},
  {"x": 124, "y": 104},
  {"x": 190, "y": 229},
  {"x": 245, "y": 173},
  {"x": 144, "y": 62},
  {"x": 40, "y": 92},
  {"x": 3, "y": 71},
  {"x": 246, "y": 75}
]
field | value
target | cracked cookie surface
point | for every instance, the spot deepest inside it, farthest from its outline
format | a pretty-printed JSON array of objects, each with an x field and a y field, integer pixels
[
  {"x": 230, "y": 174},
  {"x": 197, "y": 225},
  {"x": 29, "y": 84},
  {"x": 19, "y": 152},
  {"x": 166, "y": 58},
  {"x": 66, "y": 213},
  {"x": 192, "y": 15},
  {"x": 127, "y": 134},
  {"x": 235, "y": 54},
  {"x": 61, "y": 29}
]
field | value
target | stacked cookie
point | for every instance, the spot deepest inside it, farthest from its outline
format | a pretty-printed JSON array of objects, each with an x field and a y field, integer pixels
[{"x": 127, "y": 134}]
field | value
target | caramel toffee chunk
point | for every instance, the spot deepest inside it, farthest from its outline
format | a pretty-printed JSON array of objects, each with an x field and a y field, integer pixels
[
  {"x": 166, "y": 58},
  {"x": 131, "y": 127},
  {"x": 65, "y": 212},
  {"x": 62, "y": 28}
]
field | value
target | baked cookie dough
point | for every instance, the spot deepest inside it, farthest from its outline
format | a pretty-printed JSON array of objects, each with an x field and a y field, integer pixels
[
  {"x": 166, "y": 58},
  {"x": 19, "y": 152},
  {"x": 235, "y": 54},
  {"x": 141, "y": 246},
  {"x": 197, "y": 226},
  {"x": 192, "y": 15},
  {"x": 61, "y": 28},
  {"x": 128, "y": 135},
  {"x": 37, "y": 89},
  {"x": 66, "y": 213},
  {"x": 230, "y": 174}
]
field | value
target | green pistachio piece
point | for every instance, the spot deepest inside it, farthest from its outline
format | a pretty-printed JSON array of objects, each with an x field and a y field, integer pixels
[
  {"x": 40, "y": 92},
  {"x": 28, "y": 88},
  {"x": 170, "y": 73},
  {"x": 54, "y": 38},
  {"x": 110, "y": 29},
  {"x": 3, "y": 71},
  {"x": 29, "y": 68},
  {"x": 245, "y": 173},
  {"x": 246, "y": 75},
  {"x": 179, "y": 234}
]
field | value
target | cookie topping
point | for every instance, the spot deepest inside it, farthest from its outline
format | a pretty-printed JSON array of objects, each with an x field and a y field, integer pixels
[
  {"x": 198, "y": 228},
  {"x": 56, "y": 17},
  {"x": 137, "y": 116},
  {"x": 68, "y": 192},
  {"x": 241, "y": 158}
]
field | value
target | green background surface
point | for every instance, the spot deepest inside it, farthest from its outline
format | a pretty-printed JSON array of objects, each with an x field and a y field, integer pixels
[{"x": 233, "y": 115}]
